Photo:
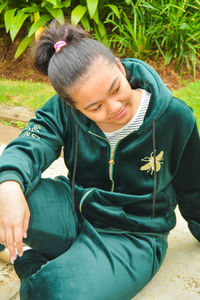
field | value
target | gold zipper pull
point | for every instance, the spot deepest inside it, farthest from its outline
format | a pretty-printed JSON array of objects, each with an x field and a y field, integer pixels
[{"x": 111, "y": 161}]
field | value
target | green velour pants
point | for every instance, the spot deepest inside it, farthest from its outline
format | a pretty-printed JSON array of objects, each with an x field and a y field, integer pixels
[{"x": 71, "y": 260}]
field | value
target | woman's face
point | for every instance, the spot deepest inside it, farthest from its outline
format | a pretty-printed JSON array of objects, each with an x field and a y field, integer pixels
[{"x": 105, "y": 96}]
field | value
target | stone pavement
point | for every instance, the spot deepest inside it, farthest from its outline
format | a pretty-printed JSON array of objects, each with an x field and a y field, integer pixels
[{"x": 177, "y": 279}]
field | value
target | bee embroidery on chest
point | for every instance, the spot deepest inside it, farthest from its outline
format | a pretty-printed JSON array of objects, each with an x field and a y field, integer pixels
[{"x": 149, "y": 166}]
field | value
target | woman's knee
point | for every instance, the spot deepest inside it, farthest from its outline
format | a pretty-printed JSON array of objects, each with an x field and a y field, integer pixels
[{"x": 53, "y": 225}]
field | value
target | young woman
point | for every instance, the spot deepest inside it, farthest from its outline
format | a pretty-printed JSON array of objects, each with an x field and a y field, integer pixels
[{"x": 132, "y": 151}]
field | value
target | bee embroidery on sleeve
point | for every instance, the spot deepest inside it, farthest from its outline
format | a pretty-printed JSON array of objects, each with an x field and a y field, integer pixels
[{"x": 149, "y": 166}]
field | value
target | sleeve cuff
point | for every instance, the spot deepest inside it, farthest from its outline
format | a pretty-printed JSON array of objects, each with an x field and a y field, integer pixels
[
  {"x": 13, "y": 176},
  {"x": 195, "y": 229}
]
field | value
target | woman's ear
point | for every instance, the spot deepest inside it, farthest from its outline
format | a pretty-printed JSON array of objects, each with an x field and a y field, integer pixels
[{"x": 121, "y": 67}]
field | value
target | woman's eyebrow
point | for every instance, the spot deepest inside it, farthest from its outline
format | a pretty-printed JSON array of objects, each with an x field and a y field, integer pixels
[
  {"x": 113, "y": 83},
  {"x": 109, "y": 90}
]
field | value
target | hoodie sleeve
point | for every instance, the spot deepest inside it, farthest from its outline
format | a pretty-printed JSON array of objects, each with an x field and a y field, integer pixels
[
  {"x": 187, "y": 183},
  {"x": 38, "y": 145}
]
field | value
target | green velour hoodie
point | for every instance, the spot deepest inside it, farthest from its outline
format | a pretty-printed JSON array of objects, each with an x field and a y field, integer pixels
[{"x": 151, "y": 169}]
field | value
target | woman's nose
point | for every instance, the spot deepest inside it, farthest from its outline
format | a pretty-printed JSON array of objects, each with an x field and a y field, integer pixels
[{"x": 114, "y": 106}]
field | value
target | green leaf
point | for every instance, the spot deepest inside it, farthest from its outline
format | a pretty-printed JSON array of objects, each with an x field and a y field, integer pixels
[
  {"x": 53, "y": 2},
  {"x": 67, "y": 3},
  {"x": 57, "y": 13},
  {"x": 128, "y": 2},
  {"x": 17, "y": 23},
  {"x": 8, "y": 16},
  {"x": 183, "y": 26},
  {"x": 159, "y": 48},
  {"x": 129, "y": 27},
  {"x": 77, "y": 14},
  {"x": 62, "y": 4},
  {"x": 85, "y": 22},
  {"x": 96, "y": 33},
  {"x": 31, "y": 9},
  {"x": 96, "y": 17},
  {"x": 2, "y": 6},
  {"x": 92, "y": 6},
  {"x": 115, "y": 9},
  {"x": 23, "y": 45},
  {"x": 100, "y": 34},
  {"x": 39, "y": 23},
  {"x": 101, "y": 29}
]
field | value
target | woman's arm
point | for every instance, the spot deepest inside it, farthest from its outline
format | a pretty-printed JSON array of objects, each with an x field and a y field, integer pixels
[
  {"x": 187, "y": 183},
  {"x": 21, "y": 166},
  {"x": 14, "y": 217},
  {"x": 39, "y": 144}
]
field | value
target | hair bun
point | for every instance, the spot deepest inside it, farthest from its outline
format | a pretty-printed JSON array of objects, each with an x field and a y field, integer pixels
[{"x": 44, "y": 47}]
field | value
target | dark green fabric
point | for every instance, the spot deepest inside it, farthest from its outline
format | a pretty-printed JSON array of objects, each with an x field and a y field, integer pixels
[
  {"x": 94, "y": 266},
  {"x": 2, "y": 247},
  {"x": 44, "y": 230}
]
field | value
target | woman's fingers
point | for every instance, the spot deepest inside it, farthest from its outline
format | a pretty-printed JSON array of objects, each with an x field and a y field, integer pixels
[
  {"x": 2, "y": 236},
  {"x": 14, "y": 240},
  {"x": 18, "y": 239},
  {"x": 14, "y": 217},
  {"x": 26, "y": 223},
  {"x": 10, "y": 244}
]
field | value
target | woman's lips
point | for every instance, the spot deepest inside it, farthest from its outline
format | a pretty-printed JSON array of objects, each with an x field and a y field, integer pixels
[{"x": 120, "y": 114}]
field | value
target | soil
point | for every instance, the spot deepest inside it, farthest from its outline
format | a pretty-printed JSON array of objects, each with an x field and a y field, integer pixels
[{"x": 22, "y": 68}]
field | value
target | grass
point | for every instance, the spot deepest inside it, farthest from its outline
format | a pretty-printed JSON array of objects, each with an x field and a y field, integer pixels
[
  {"x": 18, "y": 124},
  {"x": 24, "y": 93},
  {"x": 34, "y": 95},
  {"x": 190, "y": 95}
]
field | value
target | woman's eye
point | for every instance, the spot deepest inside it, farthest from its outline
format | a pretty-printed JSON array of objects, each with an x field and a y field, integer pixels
[
  {"x": 97, "y": 108},
  {"x": 117, "y": 90}
]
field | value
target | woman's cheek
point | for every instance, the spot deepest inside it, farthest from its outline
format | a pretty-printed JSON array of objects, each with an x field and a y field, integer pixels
[{"x": 101, "y": 116}]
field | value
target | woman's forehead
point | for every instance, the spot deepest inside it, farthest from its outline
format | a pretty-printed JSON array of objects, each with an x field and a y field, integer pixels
[{"x": 99, "y": 81}]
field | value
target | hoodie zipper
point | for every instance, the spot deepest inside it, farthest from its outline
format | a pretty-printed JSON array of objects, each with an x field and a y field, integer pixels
[
  {"x": 111, "y": 166},
  {"x": 111, "y": 161}
]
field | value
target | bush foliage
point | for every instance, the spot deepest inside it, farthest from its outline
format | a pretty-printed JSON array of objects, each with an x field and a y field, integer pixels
[{"x": 132, "y": 27}]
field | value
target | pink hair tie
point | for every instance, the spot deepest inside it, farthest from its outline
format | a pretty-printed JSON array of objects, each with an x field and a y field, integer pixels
[{"x": 59, "y": 45}]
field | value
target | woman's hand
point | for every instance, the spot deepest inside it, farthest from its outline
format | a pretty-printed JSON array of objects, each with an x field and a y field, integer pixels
[{"x": 14, "y": 217}]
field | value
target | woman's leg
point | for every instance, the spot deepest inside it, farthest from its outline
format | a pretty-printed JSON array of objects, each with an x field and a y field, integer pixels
[
  {"x": 53, "y": 225},
  {"x": 96, "y": 267}
]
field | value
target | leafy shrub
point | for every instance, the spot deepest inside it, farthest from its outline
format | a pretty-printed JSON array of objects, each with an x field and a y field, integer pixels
[
  {"x": 32, "y": 14},
  {"x": 35, "y": 14},
  {"x": 159, "y": 27},
  {"x": 136, "y": 28},
  {"x": 131, "y": 33}
]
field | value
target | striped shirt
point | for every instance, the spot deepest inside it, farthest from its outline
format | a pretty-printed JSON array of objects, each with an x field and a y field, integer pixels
[{"x": 134, "y": 124}]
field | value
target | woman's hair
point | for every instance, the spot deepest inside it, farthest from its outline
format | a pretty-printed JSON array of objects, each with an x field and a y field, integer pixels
[{"x": 71, "y": 64}]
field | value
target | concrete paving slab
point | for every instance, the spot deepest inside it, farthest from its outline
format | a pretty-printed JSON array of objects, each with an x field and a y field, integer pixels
[
  {"x": 178, "y": 277},
  {"x": 9, "y": 282},
  {"x": 8, "y": 133},
  {"x": 15, "y": 113}
]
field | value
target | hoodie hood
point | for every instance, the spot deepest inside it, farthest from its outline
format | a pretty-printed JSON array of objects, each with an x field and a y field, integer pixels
[{"x": 140, "y": 75}]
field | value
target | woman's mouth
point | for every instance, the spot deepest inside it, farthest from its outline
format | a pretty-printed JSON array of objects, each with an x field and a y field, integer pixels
[{"x": 120, "y": 114}]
